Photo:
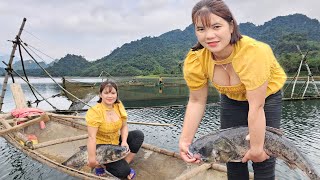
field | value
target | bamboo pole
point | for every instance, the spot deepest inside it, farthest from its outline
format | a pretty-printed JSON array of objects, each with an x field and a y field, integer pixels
[
  {"x": 72, "y": 121},
  {"x": 59, "y": 141},
  {"x": 69, "y": 122},
  {"x": 310, "y": 75},
  {"x": 66, "y": 116},
  {"x": 18, "y": 135},
  {"x": 160, "y": 150},
  {"x": 129, "y": 122},
  {"x": 5, "y": 116},
  {"x": 219, "y": 167},
  {"x": 5, "y": 80},
  {"x": 16, "y": 120},
  {"x": 43, "y": 117},
  {"x": 296, "y": 78}
]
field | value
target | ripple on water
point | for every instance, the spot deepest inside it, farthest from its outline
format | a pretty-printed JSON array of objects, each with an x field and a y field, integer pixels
[{"x": 20, "y": 166}]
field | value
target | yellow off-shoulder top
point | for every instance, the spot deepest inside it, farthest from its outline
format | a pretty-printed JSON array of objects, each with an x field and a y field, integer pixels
[
  {"x": 253, "y": 61},
  {"x": 108, "y": 132}
]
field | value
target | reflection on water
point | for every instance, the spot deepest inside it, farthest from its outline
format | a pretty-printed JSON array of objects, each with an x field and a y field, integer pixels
[{"x": 300, "y": 122}]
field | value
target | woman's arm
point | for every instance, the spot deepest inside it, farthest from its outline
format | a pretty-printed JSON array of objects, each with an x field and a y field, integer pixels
[
  {"x": 91, "y": 145},
  {"x": 124, "y": 134},
  {"x": 256, "y": 124},
  {"x": 194, "y": 113}
]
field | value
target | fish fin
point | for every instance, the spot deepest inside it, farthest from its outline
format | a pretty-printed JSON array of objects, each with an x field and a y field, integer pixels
[
  {"x": 64, "y": 163},
  {"x": 274, "y": 130},
  {"x": 83, "y": 148}
]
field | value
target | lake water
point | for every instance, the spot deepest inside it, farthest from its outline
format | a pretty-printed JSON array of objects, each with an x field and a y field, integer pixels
[{"x": 300, "y": 122}]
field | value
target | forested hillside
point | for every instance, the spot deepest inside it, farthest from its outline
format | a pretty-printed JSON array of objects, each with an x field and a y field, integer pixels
[{"x": 165, "y": 54}]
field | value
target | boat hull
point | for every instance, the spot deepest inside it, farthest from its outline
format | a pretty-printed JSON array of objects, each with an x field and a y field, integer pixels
[{"x": 151, "y": 162}]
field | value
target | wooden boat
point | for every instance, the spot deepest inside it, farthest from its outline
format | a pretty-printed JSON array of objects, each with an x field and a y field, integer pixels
[{"x": 63, "y": 135}]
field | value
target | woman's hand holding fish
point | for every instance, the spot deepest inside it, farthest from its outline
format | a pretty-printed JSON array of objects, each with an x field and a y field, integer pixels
[
  {"x": 184, "y": 153},
  {"x": 255, "y": 155},
  {"x": 125, "y": 144},
  {"x": 92, "y": 162}
]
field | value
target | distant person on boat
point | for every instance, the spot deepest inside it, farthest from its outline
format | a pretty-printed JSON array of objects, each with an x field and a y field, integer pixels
[
  {"x": 107, "y": 124},
  {"x": 248, "y": 77},
  {"x": 160, "y": 80}
]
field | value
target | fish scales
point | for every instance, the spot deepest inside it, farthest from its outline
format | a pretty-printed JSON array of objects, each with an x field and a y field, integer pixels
[{"x": 105, "y": 153}]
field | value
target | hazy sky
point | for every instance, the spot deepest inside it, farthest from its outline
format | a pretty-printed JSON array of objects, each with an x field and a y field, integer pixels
[{"x": 93, "y": 28}]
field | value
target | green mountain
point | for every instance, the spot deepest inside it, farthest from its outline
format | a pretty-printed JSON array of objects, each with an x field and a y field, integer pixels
[
  {"x": 149, "y": 55},
  {"x": 70, "y": 65},
  {"x": 273, "y": 30},
  {"x": 164, "y": 54},
  {"x": 28, "y": 64}
]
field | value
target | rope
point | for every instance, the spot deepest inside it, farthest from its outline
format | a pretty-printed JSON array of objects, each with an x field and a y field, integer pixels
[
  {"x": 32, "y": 87},
  {"x": 24, "y": 71},
  {"x": 32, "y": 34},
  {"x": 51, "y": 76},
  {"x": 9, "y": 71},
  {"x": 32, "y": 47},
  {"x": 53, "y": 96}
]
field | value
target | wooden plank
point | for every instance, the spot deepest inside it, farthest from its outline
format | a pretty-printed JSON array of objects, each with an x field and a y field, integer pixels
[
  {"x": 16, "y": 120},
  {"x": 59, "y": 141},
  {"x": 18, "y": 95},
  {"x": 129, "y": 122},
  {"x": 66, "y": 116},
  {"x": 43, "y": 117}
]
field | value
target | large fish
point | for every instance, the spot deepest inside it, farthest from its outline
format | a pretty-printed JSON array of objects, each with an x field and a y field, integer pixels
[
  {"x": 230, "y": 145},
  {"x": 105, "y": 153}
]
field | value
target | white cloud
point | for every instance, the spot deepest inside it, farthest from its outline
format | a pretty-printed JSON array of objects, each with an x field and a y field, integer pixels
[{"x": 93, "y": 28}]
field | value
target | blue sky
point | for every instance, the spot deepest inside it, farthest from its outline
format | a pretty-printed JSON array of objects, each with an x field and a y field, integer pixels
[{"x": 93, "y": 28}]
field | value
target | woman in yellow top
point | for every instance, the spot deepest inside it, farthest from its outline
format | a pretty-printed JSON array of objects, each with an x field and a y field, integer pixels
[
  {"x": 107, "y": 124},
  {"x": 247, "y": 75}
]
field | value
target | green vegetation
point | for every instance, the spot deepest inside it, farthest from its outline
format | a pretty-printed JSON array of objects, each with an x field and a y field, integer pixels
[{"x": 164, "y": 55}]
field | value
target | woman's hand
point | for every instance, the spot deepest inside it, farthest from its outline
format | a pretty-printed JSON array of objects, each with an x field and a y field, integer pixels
[
  {"x": 258, "y": 155},
  {"x": 184, "y": 148},
  {"x": 92, "y": 162},
  {"x": 125, "y": 144},
  {"x": 255, "y": 156}
]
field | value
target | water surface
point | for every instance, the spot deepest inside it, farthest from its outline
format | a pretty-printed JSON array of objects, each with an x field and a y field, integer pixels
[{"x": 300, "y": 123}]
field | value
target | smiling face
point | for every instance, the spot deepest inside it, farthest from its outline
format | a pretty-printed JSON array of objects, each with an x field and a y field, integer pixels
[
  {"x": 214, "y": 33},
  {"x": 108, "y": 96}
]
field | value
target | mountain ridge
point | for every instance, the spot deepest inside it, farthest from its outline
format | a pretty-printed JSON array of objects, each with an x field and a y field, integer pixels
[{"x": 163, "y": 54}]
